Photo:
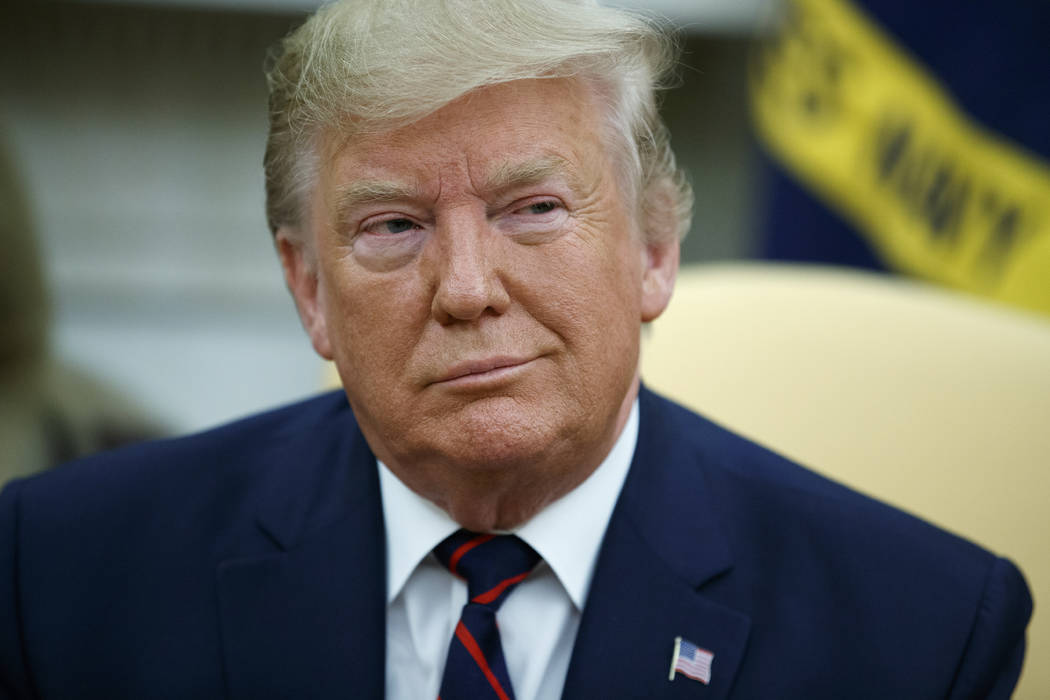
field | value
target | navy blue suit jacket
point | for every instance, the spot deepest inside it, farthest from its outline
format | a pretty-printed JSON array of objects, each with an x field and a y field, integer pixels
[{"x": 248, "y": 562}]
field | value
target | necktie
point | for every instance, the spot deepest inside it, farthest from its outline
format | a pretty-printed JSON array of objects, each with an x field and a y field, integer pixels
[{"x": 492, "y": 566}]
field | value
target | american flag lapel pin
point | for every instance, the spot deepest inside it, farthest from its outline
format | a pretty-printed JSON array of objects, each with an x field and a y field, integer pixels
[{"x": 691, "y": 660}]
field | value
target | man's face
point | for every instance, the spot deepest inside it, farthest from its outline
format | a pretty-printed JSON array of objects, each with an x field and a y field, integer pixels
[{"x": 479, "y": 280}]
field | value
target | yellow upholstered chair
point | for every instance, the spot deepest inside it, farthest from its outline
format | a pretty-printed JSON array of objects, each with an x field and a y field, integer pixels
[{"x": 929, "y": 400}]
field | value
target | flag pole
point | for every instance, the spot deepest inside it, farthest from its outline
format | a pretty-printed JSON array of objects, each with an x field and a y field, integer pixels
[{"x": 674, "y": 658}]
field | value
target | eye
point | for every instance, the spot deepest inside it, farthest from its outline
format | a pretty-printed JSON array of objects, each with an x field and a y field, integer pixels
[
  {"x": 537, "y": 207},
  {"x": 536, "y": 219},
  {"x": 393, "y": 226},
  {"x": 396, "y": 226},
  {"x": 542, "y": 207}
]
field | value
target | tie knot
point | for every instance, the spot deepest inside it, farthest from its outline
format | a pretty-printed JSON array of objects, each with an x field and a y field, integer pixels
[{"x": 491, "y": 564}]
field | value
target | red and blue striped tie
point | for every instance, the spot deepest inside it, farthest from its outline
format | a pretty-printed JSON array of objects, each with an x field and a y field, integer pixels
[{"x": 492, "y": 566}]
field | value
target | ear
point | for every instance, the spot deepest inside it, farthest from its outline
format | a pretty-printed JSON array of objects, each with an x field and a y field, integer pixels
[
  {"x": 300, "y": 274},
  {"x": 658, "y": 276}
]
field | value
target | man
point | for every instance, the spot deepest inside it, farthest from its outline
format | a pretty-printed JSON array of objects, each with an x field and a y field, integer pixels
[{"x": 475, "y": 208}]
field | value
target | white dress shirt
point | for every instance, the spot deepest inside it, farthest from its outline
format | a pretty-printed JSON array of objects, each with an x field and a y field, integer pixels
[{"x": 537, "y": 621}]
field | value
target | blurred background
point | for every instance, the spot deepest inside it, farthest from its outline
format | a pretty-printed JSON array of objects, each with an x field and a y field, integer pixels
[
  {"x": 134, "y": 131},
  {"x": 900, "y": 147}
]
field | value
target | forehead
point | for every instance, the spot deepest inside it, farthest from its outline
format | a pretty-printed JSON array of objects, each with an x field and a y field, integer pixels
[{"x": 512, "y": 131}]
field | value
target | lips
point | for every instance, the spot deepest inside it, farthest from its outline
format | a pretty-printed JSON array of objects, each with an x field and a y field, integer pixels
[{"x": 482, "y": 369}]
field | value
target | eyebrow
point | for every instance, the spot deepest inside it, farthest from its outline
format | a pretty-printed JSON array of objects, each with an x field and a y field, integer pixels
[
  {"x": 358, "y": 192},
  {"x": 509, "y": 175}
]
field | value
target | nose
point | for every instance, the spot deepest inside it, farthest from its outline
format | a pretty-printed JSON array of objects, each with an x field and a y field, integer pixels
[{"x": 468, "y": 269}]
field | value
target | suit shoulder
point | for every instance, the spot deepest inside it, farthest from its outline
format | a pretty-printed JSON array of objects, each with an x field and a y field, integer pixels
[
  {"x": 762, "y": 492},
  {"x": 731, "y": 455}
]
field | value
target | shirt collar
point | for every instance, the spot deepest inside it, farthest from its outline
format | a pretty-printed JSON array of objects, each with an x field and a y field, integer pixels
[
  {"x": 568, "y": 543},
  {"x": 414, "y": 526}
]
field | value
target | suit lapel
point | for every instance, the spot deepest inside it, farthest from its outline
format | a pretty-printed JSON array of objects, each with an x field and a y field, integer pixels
[
  {"x": 307, "y": 618},
  {"x": 664, "y": 542}
]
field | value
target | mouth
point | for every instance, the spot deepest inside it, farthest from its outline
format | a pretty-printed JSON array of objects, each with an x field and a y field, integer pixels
[{"x": 477, "y": 373}]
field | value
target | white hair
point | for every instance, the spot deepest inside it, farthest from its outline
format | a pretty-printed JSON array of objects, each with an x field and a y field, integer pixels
[{"x": 372, "y": 65}]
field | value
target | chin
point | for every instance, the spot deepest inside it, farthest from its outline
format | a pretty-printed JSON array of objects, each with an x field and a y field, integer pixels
[
  {"x": 502, "y": 432},
  {"x": 495, "y": 451}
]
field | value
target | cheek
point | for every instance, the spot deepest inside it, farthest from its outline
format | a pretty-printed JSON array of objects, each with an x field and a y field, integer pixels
[
  {"x": 608, "y": 268},
  {"x": 365, "y": 311},
  {"x": 586, "y": 292}
]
